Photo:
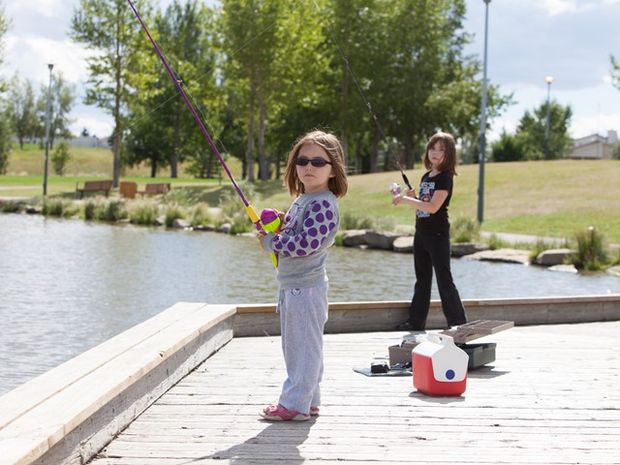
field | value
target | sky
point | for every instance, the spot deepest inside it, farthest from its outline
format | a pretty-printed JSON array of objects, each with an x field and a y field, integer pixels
[{"x": 570, "y": 40}]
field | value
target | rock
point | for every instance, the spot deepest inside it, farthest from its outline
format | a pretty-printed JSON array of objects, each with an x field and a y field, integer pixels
[
  {"x": 564, "y": 268},
  {"x": 553, "y": 257},
  {"x": 460, "y": 249},
  {"x": 204, "y": 227},
  {"x": 614, "y": 270},
  {"x": 354, "y": 238},
  {"x": 380, "y": 240},
  {"x": 365, "y": 238},
  {"x": 502, "y": 255},
  {"x": 225, "y": 228},
  {"x": 160, "y": 220},
  {"x": 181, "y": 224},
  {"x": 403, "y": 244}
]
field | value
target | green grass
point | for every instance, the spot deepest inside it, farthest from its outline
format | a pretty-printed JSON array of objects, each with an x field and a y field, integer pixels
[{"x": 545, "y": 198}]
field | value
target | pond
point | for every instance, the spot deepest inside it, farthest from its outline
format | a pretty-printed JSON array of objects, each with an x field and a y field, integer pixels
[{"x": 68, "y": 285}]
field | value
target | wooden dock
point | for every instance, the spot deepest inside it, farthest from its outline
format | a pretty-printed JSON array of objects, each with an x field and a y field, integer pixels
[
  {"x": 551, "y": 397},
  {"x": 180, "y": 389}
]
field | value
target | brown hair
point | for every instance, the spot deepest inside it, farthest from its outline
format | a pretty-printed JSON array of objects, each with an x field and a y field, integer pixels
[
  {"x": 328, "y": 142},
  {"x": 449, "y": 155}
]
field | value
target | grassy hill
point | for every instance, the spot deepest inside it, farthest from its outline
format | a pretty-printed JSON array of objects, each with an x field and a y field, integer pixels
[{"x": 547, "y": 198}]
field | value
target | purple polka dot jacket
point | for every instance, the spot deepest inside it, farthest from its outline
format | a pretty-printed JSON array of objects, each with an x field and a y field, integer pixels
[{"x": 309, "y": 228}]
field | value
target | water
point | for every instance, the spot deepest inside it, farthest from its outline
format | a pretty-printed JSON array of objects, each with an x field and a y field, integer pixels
[{"x": 68, "y": 285}]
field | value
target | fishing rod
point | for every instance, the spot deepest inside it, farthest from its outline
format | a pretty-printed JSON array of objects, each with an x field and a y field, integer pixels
[{"x": 249, "y": 209}]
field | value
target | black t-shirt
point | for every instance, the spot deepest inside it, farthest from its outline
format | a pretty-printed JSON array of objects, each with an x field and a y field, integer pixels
[{"x": 438, "y": 221}]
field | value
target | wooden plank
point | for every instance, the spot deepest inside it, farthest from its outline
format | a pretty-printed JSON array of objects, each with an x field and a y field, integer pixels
[
  {"x": 34, "y": 433},
  {"x": 31, "y": 394},
  {"x": 477, "y": 329},
  {"x": 546, "y": 400}
]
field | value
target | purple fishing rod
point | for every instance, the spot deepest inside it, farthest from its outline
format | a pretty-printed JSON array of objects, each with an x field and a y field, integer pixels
[{"x": 177, "y": 82}]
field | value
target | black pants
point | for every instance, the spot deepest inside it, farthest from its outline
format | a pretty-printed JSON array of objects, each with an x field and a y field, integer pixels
[{"x": 432, "y": 250}]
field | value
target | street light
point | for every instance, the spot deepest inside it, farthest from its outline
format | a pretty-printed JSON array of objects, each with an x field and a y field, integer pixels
[
  {"x": 47, "y": 129},
  {"x": 548, "y": 80},
  {"x": 483, "y": 119}
]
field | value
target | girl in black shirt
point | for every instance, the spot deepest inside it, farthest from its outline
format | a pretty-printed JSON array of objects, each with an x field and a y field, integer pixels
[{"x": 431, "y": 244}]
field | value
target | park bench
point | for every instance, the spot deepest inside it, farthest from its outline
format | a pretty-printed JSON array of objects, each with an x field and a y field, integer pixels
[
  {"x": 156, "y": 188},
  {"x": 128, "y": 189},
  {"x": 94, "y": 186}
]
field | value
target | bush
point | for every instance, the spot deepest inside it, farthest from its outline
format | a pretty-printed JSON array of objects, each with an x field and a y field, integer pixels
[
  {"x": 199, "y": 215},
  {"x": 89, "y": 210},
  {"x": 173, "y": 212},
  {"x": 144, "y": 213},
  {"x": 59, "y": 208},
  {"x": 10, "y": 206},
  {"x": 508, "y": 148},
  {"x": 60, "y": 158},
  {"x": 111, "y": 211},
  {"x": 464, "y": 229},
  {"x": 591, "y": 254},
  {"x": 240, "y": 224},
  {"x": 350, "y": 221}
]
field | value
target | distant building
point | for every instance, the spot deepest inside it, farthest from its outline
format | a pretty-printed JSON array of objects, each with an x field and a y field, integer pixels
[
  {"x": 89, "y": 141},
  {"x": 594, "y": 147}
]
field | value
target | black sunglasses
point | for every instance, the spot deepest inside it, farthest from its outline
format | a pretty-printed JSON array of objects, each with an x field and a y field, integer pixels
[{"x": 316, "y": 162}]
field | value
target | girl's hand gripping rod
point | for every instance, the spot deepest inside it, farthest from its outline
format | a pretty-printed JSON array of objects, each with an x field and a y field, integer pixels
[{"x": 271, "y": 222}]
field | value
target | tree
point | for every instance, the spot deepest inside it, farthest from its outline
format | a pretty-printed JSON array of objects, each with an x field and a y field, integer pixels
[
  {"x": 109, "y": 28},
  {"x": 509, "y": 147},
  {"x": 5, "y": 118},
  {"x": 60, "y": 158},
  {"x": 62, "y": 96},
  {"x": 532, "y": 129},
  {"x": 22, "y": 101},
  {"x": 161, "y": 130},
  {"x": 615, "y": 71},
  {"x": 251, "y": 42}
]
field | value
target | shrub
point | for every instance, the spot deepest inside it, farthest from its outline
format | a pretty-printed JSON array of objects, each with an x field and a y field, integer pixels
[
  {"x": 496, "y": 243},
  {"x": 144, "y": 213},
  {"x": 350, "y": 221},
  {"x": 111, "y": 211},
  {"x": 508, "y": 148},
  {"x": 59, "y": 207},
  {"x": 591, "y": 254},
  {"x": 240, "y": 224},
  {"x": 199, "y": 215},
  {"x": 173, "y": 212},
  {"x": 10, "y": 206},
  {"x": 89, "y": 210},
  {"x": 464, "y": 229},
  {"x": 60, "y": 157}
]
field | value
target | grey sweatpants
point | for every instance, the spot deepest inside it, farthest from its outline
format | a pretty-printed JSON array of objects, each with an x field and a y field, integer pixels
[{"x": 303, "y": 314}]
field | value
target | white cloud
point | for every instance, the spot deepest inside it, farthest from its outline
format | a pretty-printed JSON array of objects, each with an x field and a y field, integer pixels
[
  {"x": 48, "y": 8},
  {"x": 558, "y": 7},
  {"x": 94, "y": 119},
  {"x": 595, "y": 124},
  {"x": 68, "y": 58}
]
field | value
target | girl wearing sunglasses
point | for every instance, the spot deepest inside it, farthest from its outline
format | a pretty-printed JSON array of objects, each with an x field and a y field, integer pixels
[{"x": 316, "y": 175}]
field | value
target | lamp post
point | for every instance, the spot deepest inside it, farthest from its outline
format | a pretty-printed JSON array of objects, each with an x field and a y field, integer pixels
[
  {"x": 548, "y": 80},
  {"x": 483, "y": 119},
  {"x": 47, "y": 129}
]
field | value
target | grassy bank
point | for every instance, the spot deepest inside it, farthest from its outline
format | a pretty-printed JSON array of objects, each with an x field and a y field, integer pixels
[{"x": 545, "y": 198}]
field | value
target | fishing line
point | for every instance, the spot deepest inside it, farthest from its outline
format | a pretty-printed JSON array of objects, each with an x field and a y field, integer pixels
[
  {"x": 178, "y": 84},
  {"x": 367, "y": 102}
]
